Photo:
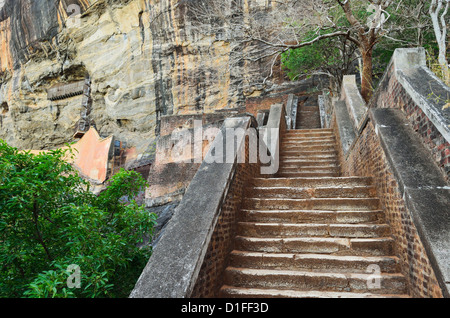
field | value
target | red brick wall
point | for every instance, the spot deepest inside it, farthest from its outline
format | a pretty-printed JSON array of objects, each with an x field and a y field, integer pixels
[
  {"x": 254, "y": 104},
  {"x": 367, "y": 158}
]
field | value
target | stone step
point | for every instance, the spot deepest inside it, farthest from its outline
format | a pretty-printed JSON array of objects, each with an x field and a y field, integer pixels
[
  {"x": 287, "y": 141},
  {"x": 315, "y": 132},
  {"x": 317, "y": 245},
  {"x": 308, "y": 160},
  {"x": 307, "y": 193},
  {"x": 309, "y": 119},
  {"x": 289, "y": 159},
  {"x": 300, "y": 148},
  {"x": 307, "y": 163},
  {"x": 305, "y": 280},
  {"x": 297, "y": 131},
  {"x": 319, "y": 174},
  {"x": 311, "y": 112},
  {"x": 253, "y": 229},
  {"x": 314, "y": 216},
  {"x": 301, "y": 134},
  {"x": 313, "y": 182},
  {"x": 239, "y": 292},
  {"x": 307, "y": 172},
  {"x": 314, "y": 262},
  {"x": 291, "y": 169},
  {"x": 312, "y": 108},
  {"x": 307, "y": 154},
  {"x": 333, "y": 204},
  {"x": 312, "y": 136},
  {"x": 307, "y": 142},
  {"x": 319, "y": 166}
]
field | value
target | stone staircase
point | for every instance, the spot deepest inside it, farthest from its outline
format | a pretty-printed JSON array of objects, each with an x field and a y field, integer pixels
[
  {"x": 308, "y": 114},
  {"x": 306, "y": 232}
]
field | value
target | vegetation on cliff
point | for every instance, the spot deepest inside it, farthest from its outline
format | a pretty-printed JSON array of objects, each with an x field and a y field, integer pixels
[{"x": 60, "y": 240}]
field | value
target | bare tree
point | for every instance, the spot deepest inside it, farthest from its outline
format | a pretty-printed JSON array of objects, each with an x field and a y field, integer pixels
[
  {"x": 438, "y": 12},
  {"x": 262, "y": 30}
]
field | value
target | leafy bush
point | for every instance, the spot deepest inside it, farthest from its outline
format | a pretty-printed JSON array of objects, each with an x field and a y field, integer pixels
[{"x": 49, "y": 220}]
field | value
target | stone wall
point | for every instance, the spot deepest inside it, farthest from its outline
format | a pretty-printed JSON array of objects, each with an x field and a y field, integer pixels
[
  {"x": 410, "y": 86},
  {"x": 367, "y": 158},
  {"x": 395, "y": 142}
]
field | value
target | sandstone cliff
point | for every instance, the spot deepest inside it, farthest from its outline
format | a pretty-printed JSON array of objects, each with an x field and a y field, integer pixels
[{"x": 145, "y": 60}]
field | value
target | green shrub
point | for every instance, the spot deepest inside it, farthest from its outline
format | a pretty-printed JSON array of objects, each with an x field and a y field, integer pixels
[{"x": 50, "y": 220}]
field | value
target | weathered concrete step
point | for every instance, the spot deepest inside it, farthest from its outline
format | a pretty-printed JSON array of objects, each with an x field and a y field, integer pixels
[
  {"x": 294, "y": 158},
  {"x": 309, "y": 130},
  {"x": 300, "y": 131},
  {"x": 314, "y": 262},
  {"x": 313, "y": 182},
  {"x": 307, "y": 142},
  {"x": 318, "y": 245},
  {"x": 311, "y": 120},
  {"x": 307, "y": 109},
  {"x": 304, "y": 280},
  {"x": 307, "y": 154},
  {"x": 300, "y": 148},
  {"x": 333, "y": 204},
  {"x": 323, "y": 162},
  {"x": 307, "y": 193},
  {"x": 253, "y": 229},
  {"x": 317, "y": 132},
  {"x": 311, "y": 169},
  {"x": 308, "y": 160},
  {"x": 308, "y": 150},
  {"x": 293, "y": 167},
  {"x": 238, "y": 292},
  {"x": 306, "y": 174},
  {"x": 308, "y": 125},
  {"x": 316, "y": 216},
  {"x": 307, "y": 136}
]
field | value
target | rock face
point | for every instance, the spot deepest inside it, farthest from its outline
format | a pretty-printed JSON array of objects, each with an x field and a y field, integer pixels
[{"x": 144, "y": 58}]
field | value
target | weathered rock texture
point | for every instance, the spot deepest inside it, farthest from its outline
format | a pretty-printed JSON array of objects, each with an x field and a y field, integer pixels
[{"x": 144, "y": 57}]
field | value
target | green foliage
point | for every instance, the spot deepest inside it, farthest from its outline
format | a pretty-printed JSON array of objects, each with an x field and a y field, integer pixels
[
  {"x": 49, "y": 220},
  {"x": 334, "y": 56},
  {"x": 303, "y": 61}
]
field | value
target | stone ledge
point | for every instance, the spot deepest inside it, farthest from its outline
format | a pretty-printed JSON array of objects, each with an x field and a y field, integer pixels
[
  {"x": 422, "y": 185},
  {"x": 424, "y": 87},
  {"x": 429, "y": 208},
  {"x": 356, "y": 105},
  {"x": 345, "y": 126},
  {"x": 291, "y": 111}
]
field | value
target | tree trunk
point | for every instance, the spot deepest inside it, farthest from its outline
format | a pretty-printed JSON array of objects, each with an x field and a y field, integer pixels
[
  {"x": 440, "y": 31},
  {"x": 366, "y": 79},
  {"x": 444, "y": 65}
]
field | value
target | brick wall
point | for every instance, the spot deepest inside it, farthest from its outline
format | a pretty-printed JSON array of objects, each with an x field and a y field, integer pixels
[
  {"x": 392, "y": 94},
  {"x": 253, "y": 104},
  {"x": 367, "y": 158}
]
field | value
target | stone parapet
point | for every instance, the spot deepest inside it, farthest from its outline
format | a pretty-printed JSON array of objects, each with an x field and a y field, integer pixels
[{"x": 395, "y": 142}]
